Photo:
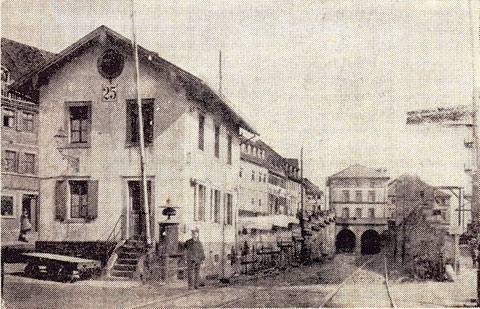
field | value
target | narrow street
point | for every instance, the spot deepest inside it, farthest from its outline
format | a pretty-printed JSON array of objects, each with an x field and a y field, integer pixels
[
  {"x": 304, "y": 286},
  {"x": 346, "y": 281}
]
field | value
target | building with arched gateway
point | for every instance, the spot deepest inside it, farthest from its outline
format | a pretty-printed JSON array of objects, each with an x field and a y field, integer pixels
[{"x": 359, "y": 197}]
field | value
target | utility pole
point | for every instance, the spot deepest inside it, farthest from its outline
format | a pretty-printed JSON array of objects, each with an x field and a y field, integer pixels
[
  {"x": 474, "y": 32},
  {"x": 141, "y": 141},
  {"x": 220, "y": 71}
]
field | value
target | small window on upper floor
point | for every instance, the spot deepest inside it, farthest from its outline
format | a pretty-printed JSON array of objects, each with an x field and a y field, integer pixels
[
  {"x": 358, "y": 196},
  {"x": 346, "y": 196},
  {"x": 27, "y": 121},
  {"x": 8, "y": 118},
  {"x": 132, "y": 121},
  {"x": 201, "y": 131},
  {"x": 27, "y": 163},
  {"x": 371, "y": 196},
  {"x": 371, "y": 212},
  {"x": 217, "y": 141},
  {"x": 79, "y": 122},
  {"x": 229, "y": 149},
  {"x": 9, "y": 163}
]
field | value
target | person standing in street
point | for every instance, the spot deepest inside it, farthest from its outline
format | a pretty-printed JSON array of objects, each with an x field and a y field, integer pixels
[{"x": 194, "y": 257}]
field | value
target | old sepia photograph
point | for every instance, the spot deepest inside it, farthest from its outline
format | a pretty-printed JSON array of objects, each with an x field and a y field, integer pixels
[{"x": 240, "y": 154}]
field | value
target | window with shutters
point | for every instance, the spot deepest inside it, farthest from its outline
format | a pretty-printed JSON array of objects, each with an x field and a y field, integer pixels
[
  {"x": 346, "y": 195},
  {"x": 76, "y": 200},
  {"x": 132, "y": 121},
  {"x": 345, "y": 213},
  {"x": 10, "y": 161},
  {"x": 7, "y": 206}
]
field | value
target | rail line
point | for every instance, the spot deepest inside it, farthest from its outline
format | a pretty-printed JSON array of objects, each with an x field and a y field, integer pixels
[
  {"x": 246, "y": 294},
  {"x": 328, "y": 300}
]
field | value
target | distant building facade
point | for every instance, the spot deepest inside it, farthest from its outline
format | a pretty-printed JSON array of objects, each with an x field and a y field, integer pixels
[
  {"x": 314, "y": 198},
  {"x": 20, "y": 183},
  {"x": 358, "y": 196}
]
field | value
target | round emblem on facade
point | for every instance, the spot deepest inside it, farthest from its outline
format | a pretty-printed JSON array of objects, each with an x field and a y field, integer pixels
[{"x": 110, "y": 64}]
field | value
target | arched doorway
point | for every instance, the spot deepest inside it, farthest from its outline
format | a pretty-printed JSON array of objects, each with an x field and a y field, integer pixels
[
  {"x": 345, "y": 241},
  {"x": 370, "y": 242}
]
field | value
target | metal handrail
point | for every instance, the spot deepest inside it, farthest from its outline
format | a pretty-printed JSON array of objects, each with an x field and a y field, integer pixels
[{"x": 113, "y": 232}]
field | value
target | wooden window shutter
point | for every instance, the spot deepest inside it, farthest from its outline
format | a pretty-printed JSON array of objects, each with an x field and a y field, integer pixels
[
  {"x": 60, "y": 200},
  {"x": 92, "y": 210}
]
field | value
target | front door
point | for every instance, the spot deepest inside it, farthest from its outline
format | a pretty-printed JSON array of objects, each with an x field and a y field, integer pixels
[
  {"x": 137, "y": 213},
  {"x": 30, "y": 208}
]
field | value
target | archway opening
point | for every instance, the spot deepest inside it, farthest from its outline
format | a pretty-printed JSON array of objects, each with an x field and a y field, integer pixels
[
  {"x": 345, "y": 241},
  {"x": 371, "y": 243}
]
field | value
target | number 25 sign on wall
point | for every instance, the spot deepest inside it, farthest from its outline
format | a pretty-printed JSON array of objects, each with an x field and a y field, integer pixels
[{"x": 109, "y": 93}]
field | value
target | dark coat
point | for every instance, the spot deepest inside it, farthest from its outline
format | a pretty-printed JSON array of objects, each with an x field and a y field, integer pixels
[{"x": 194, "y": 251}]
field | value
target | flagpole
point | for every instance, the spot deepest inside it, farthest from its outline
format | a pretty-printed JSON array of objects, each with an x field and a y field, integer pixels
[{"x": 141, "y": 140}]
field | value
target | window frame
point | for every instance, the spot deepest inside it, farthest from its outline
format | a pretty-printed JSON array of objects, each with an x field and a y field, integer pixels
[
  {"x": 13, "y": 116},
  {"x": 131, "y": 109},
  {"x": 216, "y": 129},
  {"x": 201, "y": 131},
  {"x": 216, "y": 205},
  {"x": 200, "y": 211},
  {"x": 15, "y": 161},
  {"x": 228, "y": 202},
  {"x": 358, "y": 196},
  {"x": 371, "y": 196},
  {"x": 13, "y": 205},
  {"x": 68, "y": 123},
  {"x": 29, "y": 120},
  {"x": 229, "y": 149},
  {"x": 22, "y": 160},
  {"x": 371, "y": 212},
  {"x": 70, "y": 200}
]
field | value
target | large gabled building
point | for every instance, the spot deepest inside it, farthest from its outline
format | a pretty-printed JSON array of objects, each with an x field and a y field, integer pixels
[{"x": 89, "y": 163}]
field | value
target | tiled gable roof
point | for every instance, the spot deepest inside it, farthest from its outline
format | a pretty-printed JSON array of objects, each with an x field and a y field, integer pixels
[
  {"x": 360, "y": 171},
  {"x": 20, "y": 58},
  {"x": 194, "y": 86}
]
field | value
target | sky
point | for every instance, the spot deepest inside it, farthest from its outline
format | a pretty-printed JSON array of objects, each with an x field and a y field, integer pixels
[{"x": 335, "y": 77}]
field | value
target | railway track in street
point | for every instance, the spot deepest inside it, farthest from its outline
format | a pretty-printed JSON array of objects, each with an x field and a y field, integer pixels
[
  {"x": 366, "y": 286},
  {"x": 363, "y": 288}
]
